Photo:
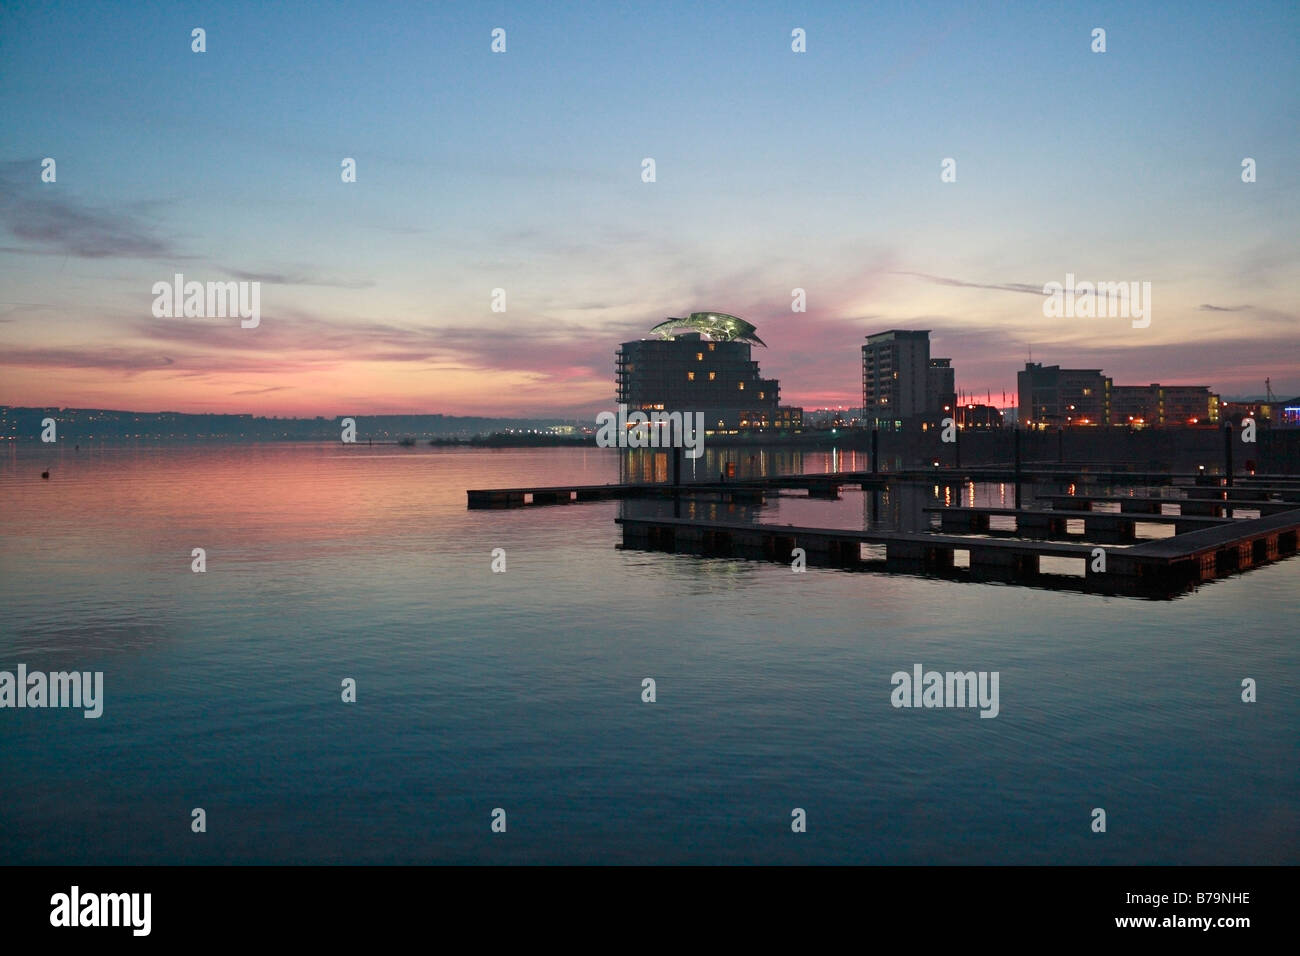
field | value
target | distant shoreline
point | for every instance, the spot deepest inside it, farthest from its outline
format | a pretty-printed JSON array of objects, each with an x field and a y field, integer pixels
[{"x": 494, "y": 440}]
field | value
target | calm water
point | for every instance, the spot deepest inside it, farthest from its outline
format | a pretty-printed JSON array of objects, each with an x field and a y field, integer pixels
[{"x": 522, "y": 690}]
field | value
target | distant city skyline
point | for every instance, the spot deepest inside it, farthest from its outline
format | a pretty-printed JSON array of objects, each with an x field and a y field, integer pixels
[{"x": 522, "y": 171}]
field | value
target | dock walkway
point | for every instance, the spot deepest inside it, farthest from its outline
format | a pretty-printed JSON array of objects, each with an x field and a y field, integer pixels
[
  {"x": 1159, "y": 568},
  {"x": 1108, "y": 526},
  {"x": 825, "y": 485}
]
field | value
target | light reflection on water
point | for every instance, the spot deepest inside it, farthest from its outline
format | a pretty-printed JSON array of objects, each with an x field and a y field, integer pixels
[{"x": 522, "y": 690}]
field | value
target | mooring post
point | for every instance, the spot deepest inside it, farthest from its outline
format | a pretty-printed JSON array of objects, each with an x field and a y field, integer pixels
[
  {"x": 677, "y": 481},
  {"x": 1017, "y": 445},
  {"x": 1227, "y": 464},
  {"x": 875, "y": 451},
  {"x": 1227, "y": 452}
]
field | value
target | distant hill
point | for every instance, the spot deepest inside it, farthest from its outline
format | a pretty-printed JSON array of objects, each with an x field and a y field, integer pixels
[{"x": 99, "y": 424}]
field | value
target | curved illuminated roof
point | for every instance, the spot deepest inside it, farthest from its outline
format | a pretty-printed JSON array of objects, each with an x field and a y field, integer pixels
[{"x": 716, "y": 325}]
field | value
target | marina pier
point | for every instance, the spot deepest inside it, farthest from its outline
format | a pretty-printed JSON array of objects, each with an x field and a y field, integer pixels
[{"x": 1219, "y": 528}]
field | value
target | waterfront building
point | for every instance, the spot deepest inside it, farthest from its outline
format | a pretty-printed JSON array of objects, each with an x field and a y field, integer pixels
[
  {"x": 702, "y": 363},
  {"x": 1055, "y": 397},
  {"x": 901, "y": 383},
  {"x": 1288, "y": 413},
  {"x": 978, "y": 416},
  {"x": 941, "y": 386},
  {"x": 1163, "y": 405}
]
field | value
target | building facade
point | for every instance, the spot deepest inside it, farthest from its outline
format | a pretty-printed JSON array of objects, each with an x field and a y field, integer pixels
[
  {"x": 702, "y": 363},
  {"x": 1288, "y": 413},
  {"x": 941, "y": 386},
  {"x": 901, "y": 382},
  {"x": 978, "y": 416},
  {"x": 1052, "y": 397},
  {"x": 1163, "y": 406},
  {"x": 1055, "y": 397}
]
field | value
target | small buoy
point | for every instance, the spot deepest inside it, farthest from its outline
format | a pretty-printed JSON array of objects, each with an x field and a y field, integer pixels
[{"x": 45, "y": 474}]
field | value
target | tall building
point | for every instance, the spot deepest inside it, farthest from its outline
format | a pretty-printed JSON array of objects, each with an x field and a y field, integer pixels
[
  {"x": 941, "y": 385},
  {"x": 1051, "y": 396},
  {"x": 702, "y": 363},
  {"x": 901, "y": 382}
]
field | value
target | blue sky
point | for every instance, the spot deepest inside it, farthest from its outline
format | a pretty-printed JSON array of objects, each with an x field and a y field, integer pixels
[{"x": 521, "y": 171}]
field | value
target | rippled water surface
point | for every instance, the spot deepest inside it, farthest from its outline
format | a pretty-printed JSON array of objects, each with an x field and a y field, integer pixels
[{"x": 522, "y": 690}]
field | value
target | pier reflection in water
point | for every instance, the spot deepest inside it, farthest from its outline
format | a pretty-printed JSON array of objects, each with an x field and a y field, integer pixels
[{"x": 1052, "y": 533}]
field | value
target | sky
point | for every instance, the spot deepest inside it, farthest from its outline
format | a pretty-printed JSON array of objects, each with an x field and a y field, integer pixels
[{"x": 522, "y": 171}]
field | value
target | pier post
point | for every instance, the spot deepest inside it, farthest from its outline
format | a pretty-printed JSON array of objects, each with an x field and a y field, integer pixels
[
  {"x": 1227, "y": 462},
  {"x": 1017, "y": 465},
  {"x": 677, "y": 482},
  {"x": 1227, "y": 452}
]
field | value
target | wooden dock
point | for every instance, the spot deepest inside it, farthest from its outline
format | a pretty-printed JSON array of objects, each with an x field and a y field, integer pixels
[
  {"x": 1155, "y": 569},
  {"x": 1153, "y": 505},
  {"x": 1280, "y": 492},
  {"x": 558, "y": 495},
  {"x": 826, "y": 485},
  {"x": 1207, "y": 542},
  {"x": 1102, "y": 526},
  {"x": 740, "y": 492},
  {"x": 1215, "y": 552},
  {"x": 833, "y": 547}
]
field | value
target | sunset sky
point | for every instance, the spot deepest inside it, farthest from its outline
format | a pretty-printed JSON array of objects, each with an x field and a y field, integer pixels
[{"x": 522, "y": 171}]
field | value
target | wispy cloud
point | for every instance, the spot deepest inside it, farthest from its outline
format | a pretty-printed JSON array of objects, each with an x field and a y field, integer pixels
[
  {"x": 996, "y": 286},
  {"x": 260, "y": 391},
  {"x": 118, "y": 359},
  {"x": 54, "y": 223},
  {"x": 297, "y": 278}
]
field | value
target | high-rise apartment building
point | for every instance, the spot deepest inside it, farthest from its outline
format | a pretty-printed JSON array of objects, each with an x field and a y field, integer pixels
[{"x": 901, "y": 382}]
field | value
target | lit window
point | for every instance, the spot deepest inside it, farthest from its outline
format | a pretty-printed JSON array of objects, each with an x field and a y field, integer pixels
[
  {"x": 690, "y": 376},
  {"x": 712, "y": 376},
  {"x": 762, "y": 395},
  {"x": 742, "y": 385},
  {"x": 699, "y": 356},
  {"x": 711, "y": 348}
]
